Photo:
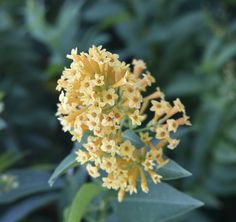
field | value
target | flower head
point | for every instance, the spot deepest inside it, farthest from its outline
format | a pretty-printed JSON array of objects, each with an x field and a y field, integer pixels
[{"x": 101, "y": 95}]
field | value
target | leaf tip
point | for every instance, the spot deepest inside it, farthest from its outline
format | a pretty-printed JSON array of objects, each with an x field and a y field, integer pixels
[{"x": 51, "y": 182}]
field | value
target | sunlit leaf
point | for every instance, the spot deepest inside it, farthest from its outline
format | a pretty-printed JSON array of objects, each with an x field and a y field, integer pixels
[{"x": 82, "y": 199}]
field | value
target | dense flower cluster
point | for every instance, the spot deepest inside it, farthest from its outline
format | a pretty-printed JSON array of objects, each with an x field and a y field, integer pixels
[{"x": 102, "y": 95}]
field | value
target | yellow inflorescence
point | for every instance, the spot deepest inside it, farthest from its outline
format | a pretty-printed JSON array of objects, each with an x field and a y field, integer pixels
[{"x": 102, "y": 95}]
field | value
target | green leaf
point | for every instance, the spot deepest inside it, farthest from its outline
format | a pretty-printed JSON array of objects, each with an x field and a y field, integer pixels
[
  {"x": 67, "y": 162},
  {"x": 83, "y": 198},
  {"x": 186, "y": 23},
  {"x": 65, "y": 214},
  {"x": 227, "y": 53},
  {"x": 185, "y": 85},
  {"x": 211, "y": 48},
  {"x": 24, "y": 208},
  {"x": 28, "y": 182},
  {"x": 225, "y": 153},
  {"x": 162, "y": 203},
  {"x": 103, "y": 10},
  {"x": 35, "y": 20},
  {"x": 133, "y": 138},
  {"x": 172, "y": 171},
  {"x": 8, "y": 159}
]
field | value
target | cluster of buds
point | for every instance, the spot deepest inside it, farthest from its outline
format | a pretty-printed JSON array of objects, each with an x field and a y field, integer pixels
[{"x": 103, "y": 96}]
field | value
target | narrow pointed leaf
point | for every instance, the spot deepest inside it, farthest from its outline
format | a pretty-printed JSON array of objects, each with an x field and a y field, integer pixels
[
  {"x": 172, "y": 171},
  {"x": 68, "y": 162},
  {"x": 83, "y": 198},
  {"x": 162, "y": 203}
]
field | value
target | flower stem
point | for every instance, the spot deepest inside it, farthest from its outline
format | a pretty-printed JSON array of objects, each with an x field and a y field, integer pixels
[{"x": 142, "y": 129}]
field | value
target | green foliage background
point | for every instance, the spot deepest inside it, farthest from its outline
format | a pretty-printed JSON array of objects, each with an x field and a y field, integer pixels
[{"x": 190, "y": 47}]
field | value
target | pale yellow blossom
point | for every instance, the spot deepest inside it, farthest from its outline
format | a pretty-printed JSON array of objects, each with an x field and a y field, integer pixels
[
  {"x": 102, "y": 96},
  {"x": 126, "y": 149},
  {"x": 82, "y": 156},
  {"x": 136, "y": 118},
  {"x": 92, "y": 170},
  {"x": 161, "y": 133}
]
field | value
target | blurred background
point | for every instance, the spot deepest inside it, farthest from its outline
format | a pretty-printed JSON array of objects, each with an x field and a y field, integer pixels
[{"x": 189, "y": 46}]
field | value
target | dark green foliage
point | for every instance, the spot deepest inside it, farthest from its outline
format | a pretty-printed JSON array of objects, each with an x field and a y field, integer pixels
[
  {"x": 189, "y": 46},
  {"x": 162, "y": 203}
]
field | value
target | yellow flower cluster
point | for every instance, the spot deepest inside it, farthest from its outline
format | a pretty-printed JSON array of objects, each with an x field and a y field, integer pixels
[{"x": 102, "y": 95}]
